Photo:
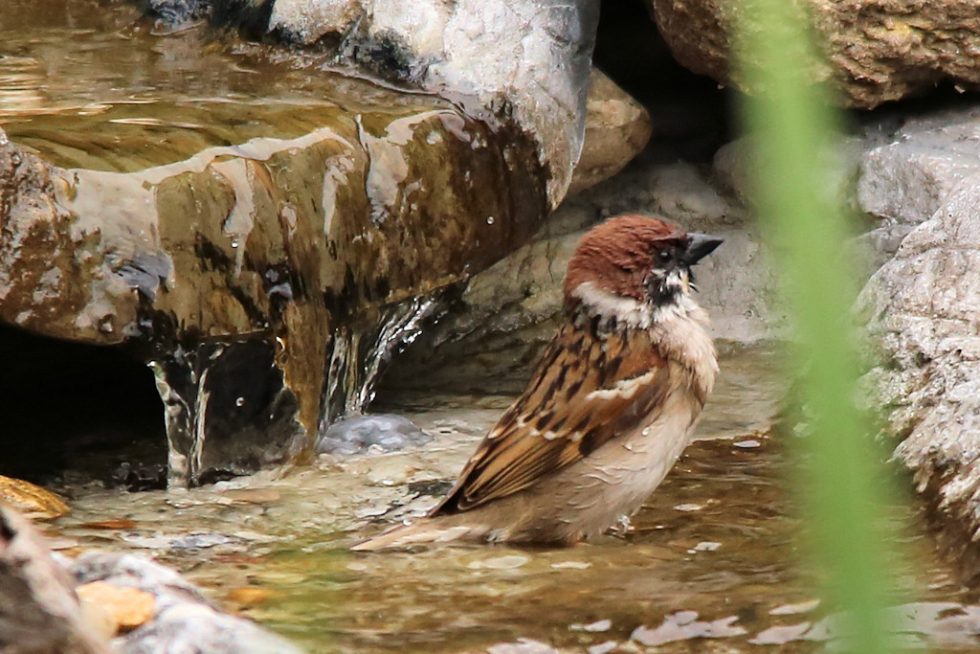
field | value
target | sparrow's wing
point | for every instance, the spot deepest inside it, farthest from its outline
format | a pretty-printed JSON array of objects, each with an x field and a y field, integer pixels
[{"x": 586, "y": 390}]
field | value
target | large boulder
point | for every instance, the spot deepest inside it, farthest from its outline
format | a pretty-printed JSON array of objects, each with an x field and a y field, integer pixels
[
  {"x": 877, "y": 50},
  {"x": 527, "y": 61},
  {"x": 266, "y": 254},
  {"x": 923, "y": 306}
]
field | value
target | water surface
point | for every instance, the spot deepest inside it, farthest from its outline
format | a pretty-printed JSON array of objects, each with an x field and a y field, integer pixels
[{"x": 712, "y": 554}]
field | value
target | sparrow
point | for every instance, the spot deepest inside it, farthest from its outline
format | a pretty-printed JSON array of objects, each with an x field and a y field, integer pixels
[{"x": 607, "y": 412}]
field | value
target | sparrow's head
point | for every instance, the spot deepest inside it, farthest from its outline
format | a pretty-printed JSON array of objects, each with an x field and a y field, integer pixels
[{"x": 638, "y": 260}]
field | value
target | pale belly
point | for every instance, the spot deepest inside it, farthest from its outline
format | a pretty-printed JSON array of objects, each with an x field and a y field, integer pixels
[{"x": 586, "y": 498}]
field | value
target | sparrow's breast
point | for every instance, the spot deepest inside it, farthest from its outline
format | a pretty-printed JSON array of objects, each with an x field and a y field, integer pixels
[{"x": 616, "y": 479}]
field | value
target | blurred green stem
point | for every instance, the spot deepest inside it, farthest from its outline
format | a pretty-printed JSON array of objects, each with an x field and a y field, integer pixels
[{"x": 842, "y": 480}]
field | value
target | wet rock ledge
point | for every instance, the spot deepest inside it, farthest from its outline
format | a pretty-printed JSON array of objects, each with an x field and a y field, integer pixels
[{"x": 266, "y": 251}]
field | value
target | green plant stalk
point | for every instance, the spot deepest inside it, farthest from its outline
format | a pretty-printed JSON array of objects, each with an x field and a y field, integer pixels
[{"x": 842, "y": 480}]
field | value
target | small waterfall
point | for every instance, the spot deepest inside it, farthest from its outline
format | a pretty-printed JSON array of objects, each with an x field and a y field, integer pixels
[
  {"x": 360, "y": 352},
  {"x": 228, "y": 410}
]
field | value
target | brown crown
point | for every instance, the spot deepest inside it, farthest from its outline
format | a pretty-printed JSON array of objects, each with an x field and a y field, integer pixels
[{"x": 617, "y": 255}]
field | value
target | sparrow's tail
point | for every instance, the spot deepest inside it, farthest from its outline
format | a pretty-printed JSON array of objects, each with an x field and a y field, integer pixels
[{"x": 422, "y": 532}]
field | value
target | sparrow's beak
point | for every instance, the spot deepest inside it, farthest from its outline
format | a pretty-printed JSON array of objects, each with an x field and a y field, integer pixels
[{"x": 699, "y": 246}]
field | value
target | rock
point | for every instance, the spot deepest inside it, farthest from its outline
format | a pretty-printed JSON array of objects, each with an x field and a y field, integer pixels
[
  {"x": 522, "y": 646},
  {"x": 39, "y": 612},
  {"x": 387, "y": 432},
  {"x": 735, "y": 167},
  {"x": 923, "y": 308},
  {"x": 877, "y": 50},
  {"x": 529, "y": 58},
  {"x": 33, "y": 501},
  {"x": 178, "y": 13},
  {"x": 907, "y": 179},
  {"x": 617, "y": 128},
  {"x": 266, "y": 258},
  {"x": 184, "y": 620},
  {"x": 507, "y": 313},
  {"x": 895, "y": 169},
  {"x": 126, "y": 608}
]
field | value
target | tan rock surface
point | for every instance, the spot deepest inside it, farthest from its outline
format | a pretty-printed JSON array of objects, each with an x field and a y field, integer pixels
[
  {"x": 33, "y": 501},
  {"x": 127, "y": 608},
  {"x": 877, "y": 50},
  {"x": 617, "y": 128}
]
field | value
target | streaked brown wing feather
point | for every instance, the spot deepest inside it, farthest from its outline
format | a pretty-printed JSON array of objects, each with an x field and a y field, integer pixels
[{"x": 556, "y": 422}]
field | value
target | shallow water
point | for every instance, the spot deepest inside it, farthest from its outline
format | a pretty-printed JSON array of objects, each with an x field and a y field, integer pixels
[{"x": 718, "y": 539}]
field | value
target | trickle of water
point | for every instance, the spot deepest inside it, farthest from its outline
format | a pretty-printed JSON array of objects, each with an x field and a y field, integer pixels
[{"x": 360, "y": 352}]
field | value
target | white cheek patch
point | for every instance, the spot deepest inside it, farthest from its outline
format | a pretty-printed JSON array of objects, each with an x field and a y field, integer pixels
[{"x": 606, "y": 304}]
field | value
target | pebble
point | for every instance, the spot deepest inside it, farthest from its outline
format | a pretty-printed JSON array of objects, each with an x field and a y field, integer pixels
[
  {"x": 688, "y": 507},
  {"x": 794, "y": 609},
  {"x": 126, "y": 607},
  {"x": 379, "y": 433},
  {"x": 571, "y": 565},
  {"x": 603, "y": 648},
  {"x": 749, "y": 444},
  {"x": 33, "y": 501},
  {"x": 509, "y": 562},
  {"x": 247, "y": 596}
]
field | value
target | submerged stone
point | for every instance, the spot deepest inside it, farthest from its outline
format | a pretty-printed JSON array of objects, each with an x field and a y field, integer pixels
[
  {"x": 182, "y": 620},
  {"x": 390, "y": 433}
]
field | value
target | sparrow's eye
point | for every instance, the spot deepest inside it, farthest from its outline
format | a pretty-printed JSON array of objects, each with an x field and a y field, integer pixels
[{"x": 664, "y": 256}]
